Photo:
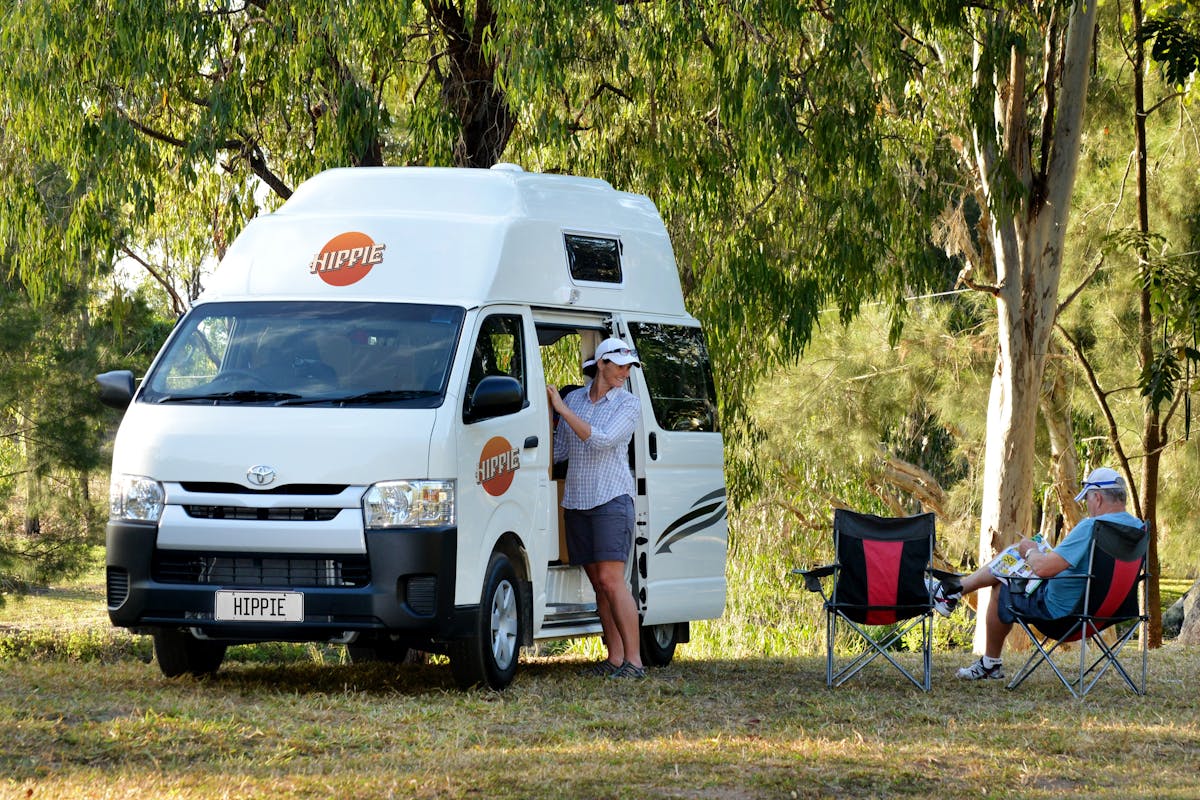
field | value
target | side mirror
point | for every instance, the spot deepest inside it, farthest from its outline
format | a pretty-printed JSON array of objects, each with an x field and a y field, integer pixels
[
  {"x": 116, "y": 388},
  {"x": 495, "y": 396}
]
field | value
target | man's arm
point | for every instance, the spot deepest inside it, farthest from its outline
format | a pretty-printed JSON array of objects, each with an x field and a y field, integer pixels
[{"x": 1044, "y": 565}]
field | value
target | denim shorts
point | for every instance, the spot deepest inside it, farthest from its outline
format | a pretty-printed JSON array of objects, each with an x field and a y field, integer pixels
[
  {"x": 1027, "y": 605},
  {"x": 603, "y": 533}
]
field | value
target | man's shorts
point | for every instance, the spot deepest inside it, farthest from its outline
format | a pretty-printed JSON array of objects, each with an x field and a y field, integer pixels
[
  {"x": 1028, "y": 605},
  {"x": 603, "y": 533}
]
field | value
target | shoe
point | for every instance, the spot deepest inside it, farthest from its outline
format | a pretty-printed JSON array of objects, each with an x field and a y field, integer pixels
[
  {"x": 978, "y": 672},
  {"x": 628, "y": 670},
  {"x": 601, "y": 669},
  {"x": 945, "y": 595}
]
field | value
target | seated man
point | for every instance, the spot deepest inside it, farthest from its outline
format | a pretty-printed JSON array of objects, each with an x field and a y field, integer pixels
[{"x": 1104, "y": 495}]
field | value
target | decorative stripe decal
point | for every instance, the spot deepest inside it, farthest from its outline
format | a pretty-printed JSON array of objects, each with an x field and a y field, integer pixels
[{"x": 705, "y": 512}]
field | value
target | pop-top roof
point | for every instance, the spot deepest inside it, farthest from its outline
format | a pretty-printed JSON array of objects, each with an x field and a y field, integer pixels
[{"x": 461, "y": 236}]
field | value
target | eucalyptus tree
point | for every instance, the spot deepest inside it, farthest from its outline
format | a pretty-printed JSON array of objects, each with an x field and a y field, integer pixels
[
  {"x": 1158, "y": 49},
  {"x": 181, "y": 113},
  {"x": 799, "y": 151},
  {"x": 756, "y": 128}
]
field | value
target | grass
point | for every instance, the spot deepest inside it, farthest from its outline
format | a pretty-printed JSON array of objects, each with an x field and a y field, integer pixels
[
  {"x": 96, "y": 720},
  {"x": 720, "y": 728}
]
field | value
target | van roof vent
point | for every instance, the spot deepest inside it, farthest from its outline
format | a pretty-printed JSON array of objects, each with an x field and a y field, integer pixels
[{"x": 504, "y": 166}]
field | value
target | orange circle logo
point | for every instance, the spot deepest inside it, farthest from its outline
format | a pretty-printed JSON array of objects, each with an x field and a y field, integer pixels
[
  {"x": 347, "y": 258},
  {"x": 498, "y": 465}
]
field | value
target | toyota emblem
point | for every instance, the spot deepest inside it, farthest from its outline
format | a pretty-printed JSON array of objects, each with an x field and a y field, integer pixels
[{"x": 261, "y": 475}]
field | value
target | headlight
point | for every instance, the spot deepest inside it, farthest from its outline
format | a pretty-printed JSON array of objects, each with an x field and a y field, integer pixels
[
  {"x": 132, "y": 497},
  {"x": 409, "y": 504}
]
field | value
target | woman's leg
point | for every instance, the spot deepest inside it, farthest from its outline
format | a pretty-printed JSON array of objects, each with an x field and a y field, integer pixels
[{"x": 610, "y": 582}]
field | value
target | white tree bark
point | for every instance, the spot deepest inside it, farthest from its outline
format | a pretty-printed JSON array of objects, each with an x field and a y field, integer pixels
[{"x": 1027, "y": 237}]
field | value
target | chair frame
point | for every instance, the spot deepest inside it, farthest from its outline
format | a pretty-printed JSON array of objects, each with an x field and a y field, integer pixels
[
  {"x": 1086, "y": 623},
  {"x": 919, "y": 616}
]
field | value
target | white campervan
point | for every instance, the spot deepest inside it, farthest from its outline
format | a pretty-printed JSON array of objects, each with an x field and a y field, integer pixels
[{"x": 347, "y": 439}]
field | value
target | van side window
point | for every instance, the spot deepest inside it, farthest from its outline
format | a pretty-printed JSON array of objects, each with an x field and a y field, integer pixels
[
  {"x": 202, "y": 354},
  {"x": 499, "y": 350},
  {"x": 678, "y": 376},
  {"x": 593, "y": 258}
]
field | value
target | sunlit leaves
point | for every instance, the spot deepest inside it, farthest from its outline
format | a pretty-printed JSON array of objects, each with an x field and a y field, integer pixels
[{"x": 1174, "y": 36}]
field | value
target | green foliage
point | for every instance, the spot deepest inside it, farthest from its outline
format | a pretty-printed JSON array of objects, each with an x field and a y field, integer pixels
[
  {"x": 52, "y": 426},
  {"x": 163, "y": 119},
  {"x": 91, "y": 645},
  {"x": 1174, "y": 36}
]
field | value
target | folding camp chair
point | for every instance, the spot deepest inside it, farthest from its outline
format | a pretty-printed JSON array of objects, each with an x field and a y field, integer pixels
[
  {"x": 1114, "y": 593},
  {"x": 879, "y": 580}
]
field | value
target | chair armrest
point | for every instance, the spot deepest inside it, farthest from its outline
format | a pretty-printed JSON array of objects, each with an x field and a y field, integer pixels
[
  {"x": 812, "y": 577},
  {"x": 943, "y": 575}
]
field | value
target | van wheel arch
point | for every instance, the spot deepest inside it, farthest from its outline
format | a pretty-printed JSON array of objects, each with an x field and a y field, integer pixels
[{"x": 489, "y": 655}]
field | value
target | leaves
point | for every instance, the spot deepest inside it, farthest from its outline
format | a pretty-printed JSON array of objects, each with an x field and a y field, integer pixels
[{"x": 1174, "y": 37}]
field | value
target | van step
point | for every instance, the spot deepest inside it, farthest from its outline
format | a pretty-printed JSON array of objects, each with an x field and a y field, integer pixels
[{"x": 569, "y": 612}]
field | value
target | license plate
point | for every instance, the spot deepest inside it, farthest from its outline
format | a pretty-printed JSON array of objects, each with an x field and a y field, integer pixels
[{"x": 239, "y": 606}]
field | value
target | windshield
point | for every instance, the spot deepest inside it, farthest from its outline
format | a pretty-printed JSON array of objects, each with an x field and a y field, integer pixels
[{"x": 308, "y": 353}]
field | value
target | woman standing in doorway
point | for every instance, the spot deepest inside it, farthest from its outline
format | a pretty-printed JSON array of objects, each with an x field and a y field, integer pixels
[{"x": 598, "y": 498}]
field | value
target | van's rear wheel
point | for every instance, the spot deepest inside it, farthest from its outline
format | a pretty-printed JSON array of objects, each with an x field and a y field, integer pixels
[
  {"x": 178, "y": 652},
  {"x": 658, "y": 643},
  {"x": 489, "y": 657}
]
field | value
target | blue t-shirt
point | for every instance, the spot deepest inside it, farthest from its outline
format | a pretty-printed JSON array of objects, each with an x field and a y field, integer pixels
[{"x": 1063, "y": 595}]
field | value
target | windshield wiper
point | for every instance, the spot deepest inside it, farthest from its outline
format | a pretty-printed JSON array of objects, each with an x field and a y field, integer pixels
[
  {"x": 366, "y": 398},
  {"x": 238, "y": 396}
]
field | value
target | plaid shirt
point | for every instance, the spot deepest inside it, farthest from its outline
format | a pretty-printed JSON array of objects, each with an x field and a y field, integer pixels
[{"x": 599, "y": 467}]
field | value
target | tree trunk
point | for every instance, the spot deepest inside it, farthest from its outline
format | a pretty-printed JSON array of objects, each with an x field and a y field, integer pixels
[
  {"x": 1064, "y": 466},
  {"x": 1154, "y": 435},
  {"x": 26, "y": 416},
  {"x": 469, "y": 88},
  {"x": 1027, "y": 236}
]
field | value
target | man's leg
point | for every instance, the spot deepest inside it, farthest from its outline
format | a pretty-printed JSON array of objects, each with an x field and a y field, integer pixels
[
  {"x": 995, "y": 631},
  {"x": 611, "y": 580},
  {"x": 979, "y": 579}
]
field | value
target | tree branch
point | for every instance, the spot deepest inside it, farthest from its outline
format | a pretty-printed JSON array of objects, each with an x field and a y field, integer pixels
[
  {"x": 1070, "y": 298},
  {"x": 177, "y": 304},
  {"x": 1101, "y": 396}
]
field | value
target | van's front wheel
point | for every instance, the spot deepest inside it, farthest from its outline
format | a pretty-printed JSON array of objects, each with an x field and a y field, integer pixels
[{"x": 489, "y": 657}]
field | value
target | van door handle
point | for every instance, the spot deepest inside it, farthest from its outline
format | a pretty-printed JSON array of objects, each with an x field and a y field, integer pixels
[
  {"x": 653, "y": 447},
  {"x": 530, "y": 441}
]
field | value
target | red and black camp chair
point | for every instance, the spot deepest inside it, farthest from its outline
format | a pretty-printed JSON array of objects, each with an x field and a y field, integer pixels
[
  {"x": 879, "y": 579},
  {"x": 1113, "y": 595}
]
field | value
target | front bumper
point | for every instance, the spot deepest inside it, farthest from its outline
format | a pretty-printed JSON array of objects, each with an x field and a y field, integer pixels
[{"x": 404, "y": 586}]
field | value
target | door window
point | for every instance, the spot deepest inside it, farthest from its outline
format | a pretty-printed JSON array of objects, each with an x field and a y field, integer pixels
[
  {"x": 678, "y": 376},
  {"x": 499, "y": 350}
]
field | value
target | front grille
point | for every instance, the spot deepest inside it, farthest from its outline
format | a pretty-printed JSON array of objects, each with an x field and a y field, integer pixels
[
  {"x": 210, "y": 487},
  {"x": 273, "y": 514},
  {"x": 118, "y": 586},
  {"x": 206, "y": 569}
]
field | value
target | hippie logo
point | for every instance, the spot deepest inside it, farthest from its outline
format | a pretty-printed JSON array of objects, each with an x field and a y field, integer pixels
[
  {"x": 347, "y": 258},
  {"x": 498, "y": 465}
]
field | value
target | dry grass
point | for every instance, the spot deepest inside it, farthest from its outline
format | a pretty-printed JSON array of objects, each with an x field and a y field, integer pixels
[
  {"x": 749, "y": 728},
  {"x": 697, "y": 729},
  {"x": 93, "y": 720}
]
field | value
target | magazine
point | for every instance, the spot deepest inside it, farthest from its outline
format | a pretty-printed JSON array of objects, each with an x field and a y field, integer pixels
[{"x": 1010, "y": 566}]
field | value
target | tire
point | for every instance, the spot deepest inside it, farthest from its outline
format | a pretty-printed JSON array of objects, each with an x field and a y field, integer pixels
[
  {"x": 489, "y": 657},
  {"x": 658, "y": 643},
  {"x": 178, "y": 652},
  {"x": 387, "y": 650}
]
